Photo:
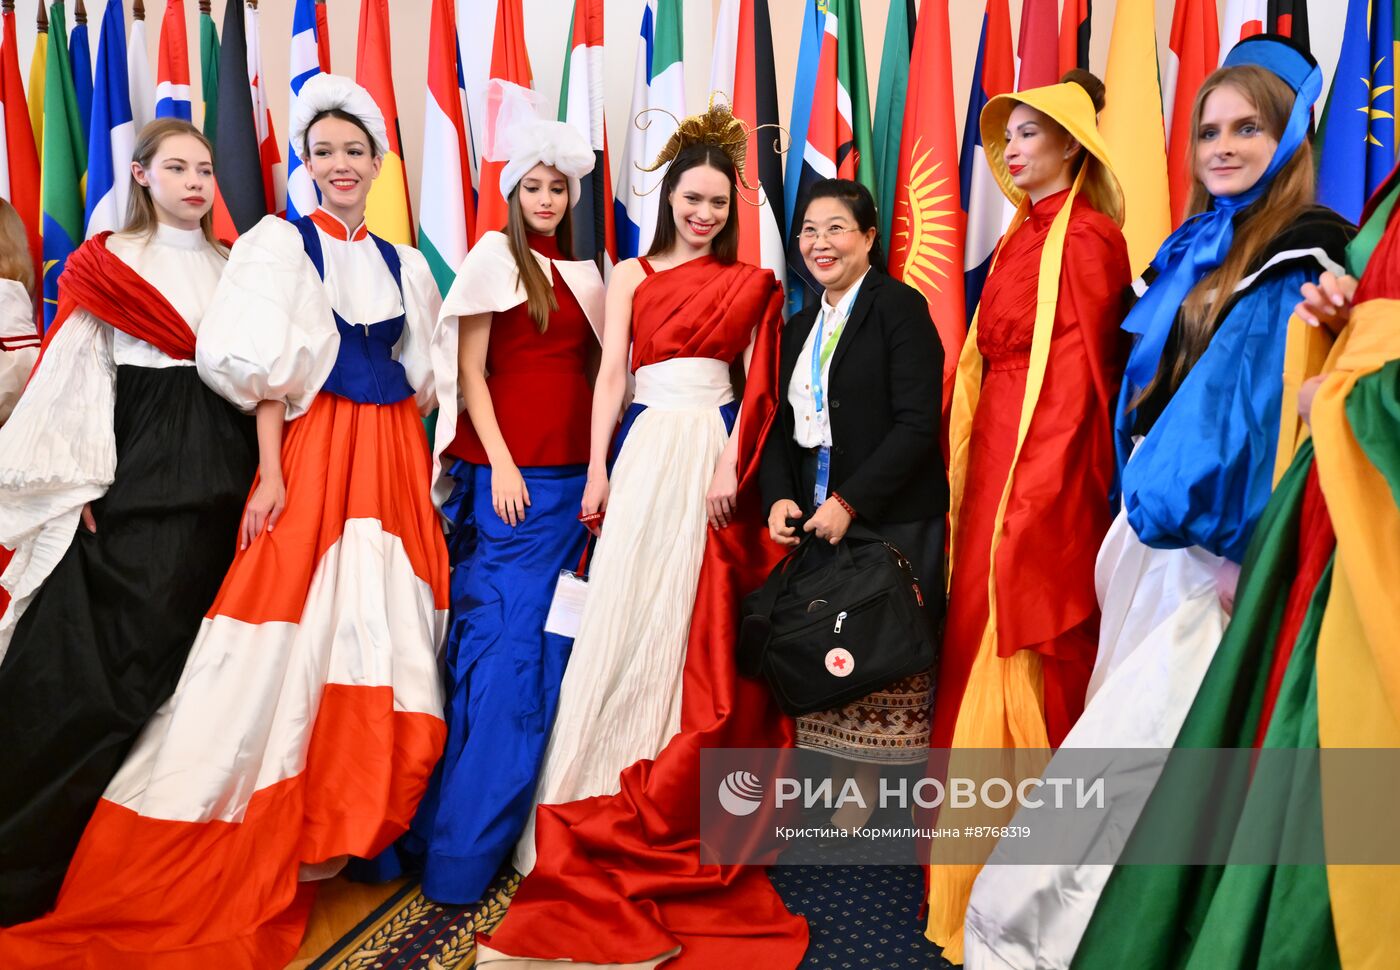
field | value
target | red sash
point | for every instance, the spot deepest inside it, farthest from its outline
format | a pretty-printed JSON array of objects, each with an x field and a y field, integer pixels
[{"x": 95, "y": 280}]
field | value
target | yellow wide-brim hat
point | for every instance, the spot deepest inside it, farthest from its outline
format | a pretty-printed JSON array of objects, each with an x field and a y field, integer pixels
[{"x": 1070, "y": 106}]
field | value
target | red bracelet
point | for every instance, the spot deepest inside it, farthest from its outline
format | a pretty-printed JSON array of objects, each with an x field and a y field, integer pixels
[{"x": 844, "y": 504}]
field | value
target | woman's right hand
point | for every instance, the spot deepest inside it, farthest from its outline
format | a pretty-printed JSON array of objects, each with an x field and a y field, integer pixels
[
  {"x": 595, "y": 500},
  {"x": 263, "y": 509},
  {"x": 509, "y": 496},
  {"x": 778, "y": 528},
  {"x": 89, "y": 522},
  {"x": 1328, "y": 302}
]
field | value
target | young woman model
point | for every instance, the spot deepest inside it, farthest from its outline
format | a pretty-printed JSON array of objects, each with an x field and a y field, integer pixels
[
  {"x": 688, "y": 310},
  {"x": 1032, "y": 441},
  {"x": 309, "y": 715},
  {"x": 121, "y": 480},
  {"x": 620, "y": 879},
  {"x": 528, "y": 318},
  {"x": 19, "y": 337},
  {"x": 1198, "y": 426}
]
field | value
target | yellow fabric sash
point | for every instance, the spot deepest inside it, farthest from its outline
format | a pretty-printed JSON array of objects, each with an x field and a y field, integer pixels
[{"x": 1358, "y": 652}]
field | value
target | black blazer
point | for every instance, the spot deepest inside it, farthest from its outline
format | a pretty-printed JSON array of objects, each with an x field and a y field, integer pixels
[{"x": 885, "y": 391}]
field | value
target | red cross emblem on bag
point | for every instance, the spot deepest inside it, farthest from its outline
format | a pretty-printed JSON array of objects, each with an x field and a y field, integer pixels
[{"x": 839, "y": 662}]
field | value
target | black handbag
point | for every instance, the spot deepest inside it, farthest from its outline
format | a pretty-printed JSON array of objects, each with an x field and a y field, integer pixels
[{"x": 833, "y": 624}]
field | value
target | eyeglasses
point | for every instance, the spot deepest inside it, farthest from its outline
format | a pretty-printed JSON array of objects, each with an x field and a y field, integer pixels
[{"x": 833, "y": 233}]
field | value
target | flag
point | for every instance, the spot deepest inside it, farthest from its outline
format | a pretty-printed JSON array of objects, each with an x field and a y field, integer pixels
[
  {"x": 64, "y": 162},
  {"x": 269, "y": 158},
  {"x": 323, "y": 37},
  {"x": 80, "y": 57},
  {"x": 38, "y": 71},
  {"x": 742, "y": 68},
  {"x": 581, "y": 105},
  {"x": 476, "y": 36},
  {"x": 1075, "y": 22},
  {"x": 112, "y": 136},
  {"x": 173, "y": 65},
  {"x": 1290, "y": 18},
  {"x": 1191, "y": 58},
  {"x": 19, "y": 158},
  {"x": 447, "y": 216},
  {"x": 987, "y": 211},
  {"x": 926, "y": 248},
  {"x": 138, "y": 70},
  {"x": 838, "y": 143},
  {"x": 804, "y": 85},
  {"x": 510, "y": 62},
  {"x": 302, "y": 197},
  {"x": 241, "y": 200},
  {"x": 1244, "y": 18},
  {"x": 658, "y": 87},
  {"x": 1357, "y": 132},
  {"x": 1133, "y": 130},
  {"x": 387, "y": 214},
  {"x": 889, "y": 107},
  {"x": 1038, "y": 46},
  {"x": 209, "y": 70}
]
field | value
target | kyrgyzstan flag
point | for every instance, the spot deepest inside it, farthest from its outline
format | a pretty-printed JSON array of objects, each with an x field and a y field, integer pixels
[
  {"x": 387, "y": 213},
  {"x": 988, "y": 211},
  {"x": 1192, "y": 57},
  {"x": 510, "y": 62},
  {"x": 581, "y": 105},
  {"x": 19, "y": 158},
  {"x": 1075, "y": 22},
  {"x": 173, "y": 65},
  {"x": 241, "y": 199},
  {"x": 445, "y": 225},
  {"x": 1038, "y": 47},
  {"x": 926, "y": 250},
  {"x": 742, "y": 68}
]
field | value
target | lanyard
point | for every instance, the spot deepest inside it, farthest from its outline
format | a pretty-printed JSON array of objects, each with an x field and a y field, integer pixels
[{"x": 821, "y": 353}]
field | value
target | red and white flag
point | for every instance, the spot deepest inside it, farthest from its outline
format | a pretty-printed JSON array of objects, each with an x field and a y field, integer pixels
[{"x": 1192, "y": 56}]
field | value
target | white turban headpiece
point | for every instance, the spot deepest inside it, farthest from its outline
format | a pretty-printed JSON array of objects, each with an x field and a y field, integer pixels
[
  {"x": 324, "y": 92},
  {"x": 516, "y": 135}
]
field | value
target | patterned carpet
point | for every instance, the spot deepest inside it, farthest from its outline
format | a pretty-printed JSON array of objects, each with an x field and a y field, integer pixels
[{"x": 860, "y": 918}]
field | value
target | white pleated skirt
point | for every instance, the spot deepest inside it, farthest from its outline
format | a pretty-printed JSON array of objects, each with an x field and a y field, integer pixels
[{"x": 620, "y": 701}]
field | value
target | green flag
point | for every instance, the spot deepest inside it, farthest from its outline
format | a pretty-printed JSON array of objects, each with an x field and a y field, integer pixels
[
  {"x": 852, "y": 78},
  {"x": 889, "y": 107},
  {"x": 64, "y": 164},
  {"x": 209, "y": 73}
]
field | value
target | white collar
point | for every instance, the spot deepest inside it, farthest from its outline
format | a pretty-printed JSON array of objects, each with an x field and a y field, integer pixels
[
  {"x": 178, "y": 238},
  {"x": 843, "y": 308}
]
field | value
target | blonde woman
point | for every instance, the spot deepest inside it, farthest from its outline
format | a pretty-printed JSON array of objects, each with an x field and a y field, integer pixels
[{"x": 121, "y": 479}]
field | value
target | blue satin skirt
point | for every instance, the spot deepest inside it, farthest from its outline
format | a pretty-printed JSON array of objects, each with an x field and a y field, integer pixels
[{"x": 501, "y": 673}]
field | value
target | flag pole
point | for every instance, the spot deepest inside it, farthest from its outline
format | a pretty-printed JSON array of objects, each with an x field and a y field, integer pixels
[
  {"x": 206, "y": 6},
  {"x": 42, "y": 21},
  {"x": 138, "y": 10},
  {"x": 79, "y": 14}
]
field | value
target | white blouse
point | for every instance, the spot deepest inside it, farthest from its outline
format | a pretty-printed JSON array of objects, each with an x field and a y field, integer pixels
[
  {"x": 184, "y": 267},
  {"x": 811, "y": 427},
  {"x": 16, "y": 320}
]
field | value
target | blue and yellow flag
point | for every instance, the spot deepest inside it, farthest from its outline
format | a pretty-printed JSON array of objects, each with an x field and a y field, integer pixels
[
  {"x": 64, "y": 162},
  {"x": 1357, "y": 135}
]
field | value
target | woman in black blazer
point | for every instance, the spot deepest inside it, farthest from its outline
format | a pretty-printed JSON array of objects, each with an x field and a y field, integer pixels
[{"x": 857, "y": 436}]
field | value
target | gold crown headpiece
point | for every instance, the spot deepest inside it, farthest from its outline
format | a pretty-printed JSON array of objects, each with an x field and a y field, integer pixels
[{"x": 715, "y": 126}]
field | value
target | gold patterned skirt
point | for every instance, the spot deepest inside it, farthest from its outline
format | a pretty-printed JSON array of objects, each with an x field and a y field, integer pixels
[{"x": 888, "y": 727}]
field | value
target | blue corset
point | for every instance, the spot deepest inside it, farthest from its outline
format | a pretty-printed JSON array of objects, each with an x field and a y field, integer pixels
[{"x": 365, "y": 370}]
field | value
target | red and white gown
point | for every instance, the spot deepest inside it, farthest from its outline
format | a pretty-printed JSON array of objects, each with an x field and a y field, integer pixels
[{"x": 309, "y": 715}]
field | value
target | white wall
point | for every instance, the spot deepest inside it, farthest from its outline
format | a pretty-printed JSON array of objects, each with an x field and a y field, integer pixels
[{"x": 547, "y": 26}]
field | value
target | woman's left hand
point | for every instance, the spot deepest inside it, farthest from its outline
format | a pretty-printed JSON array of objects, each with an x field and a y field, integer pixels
[
  {"x": 1306, "y": 393},
  {"x": 724, "y": 490},
  {"x": 829, "y": 522}
]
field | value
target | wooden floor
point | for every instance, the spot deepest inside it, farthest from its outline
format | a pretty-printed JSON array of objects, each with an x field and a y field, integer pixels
[{"x": 340, "y": 904}]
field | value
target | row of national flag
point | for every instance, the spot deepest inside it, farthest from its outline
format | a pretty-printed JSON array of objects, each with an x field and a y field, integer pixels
[{"x": 941, "y": 215}]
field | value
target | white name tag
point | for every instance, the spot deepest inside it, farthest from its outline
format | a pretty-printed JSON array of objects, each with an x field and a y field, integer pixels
[{"x": 566, "y": 609}]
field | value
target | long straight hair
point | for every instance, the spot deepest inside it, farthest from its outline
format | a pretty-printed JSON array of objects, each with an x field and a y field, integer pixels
[
  {"x": 141, "y": 217},
  {"x": 16, "y": 263},
  {"x": 1292, "y": 190},
  {"x": 539, "y": 286},
  {"x": 725, "y": 247}
]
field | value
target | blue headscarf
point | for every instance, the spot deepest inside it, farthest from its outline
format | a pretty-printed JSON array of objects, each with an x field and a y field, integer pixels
[{"x": 1202, "y": 241}]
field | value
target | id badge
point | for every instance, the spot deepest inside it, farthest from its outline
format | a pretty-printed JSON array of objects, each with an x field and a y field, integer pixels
[
  {"x": 823, "y": 476},
  {"x": 566, "y": 609}
]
